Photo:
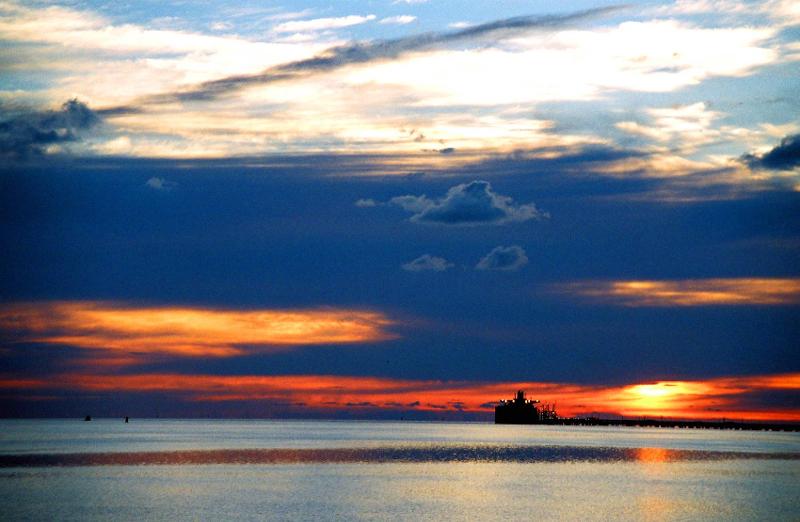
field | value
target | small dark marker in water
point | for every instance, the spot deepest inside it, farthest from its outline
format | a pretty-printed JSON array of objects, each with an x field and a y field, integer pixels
[
  {"x": 126, "y": 420},
  {"x": 87, "y": 418}
]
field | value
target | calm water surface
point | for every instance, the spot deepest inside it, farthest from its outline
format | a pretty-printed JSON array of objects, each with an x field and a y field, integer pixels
[{"x": 307, "y": 470}]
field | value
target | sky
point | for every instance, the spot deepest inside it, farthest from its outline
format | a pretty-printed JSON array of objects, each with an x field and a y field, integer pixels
[{"x": 384, "y": 209}]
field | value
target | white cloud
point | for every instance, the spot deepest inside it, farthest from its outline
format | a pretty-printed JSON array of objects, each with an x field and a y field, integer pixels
[
  {"x": 427, "y": 263},
  {"x": 470, "y": 204},
  {"x": 690, "y": 7},
  {"x": 160, "y": 184},
  {"x": 690, "y": 124},
  {"x": 106, "y": 63},
  {"x": 398, "y": 20},
  {"x": 289, "y": 15},
  {"x": 221, "y": 26},
  {"x": 785, "y": 12},
  {"x": 779, "y": 131},
  {"x": 507, "y": 259},
  {"x": 654, "y": 56},
  {"x": 682, "y": 130},
  {"x": 87, "y": 30},
  {"x": 116, "y": 147},
  {"x": 471, "y": 99},
  {"x": 366, "y": 203},
  {"x": 321, "y": 24}
]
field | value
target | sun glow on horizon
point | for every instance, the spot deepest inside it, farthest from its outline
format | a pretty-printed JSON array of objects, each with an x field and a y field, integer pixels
[
  {"x": 661, "y": 395},
  {"x": 729, "y": 397}
]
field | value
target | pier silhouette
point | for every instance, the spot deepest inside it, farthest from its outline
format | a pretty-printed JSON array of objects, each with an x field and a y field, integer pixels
[{"x": 521, "y": 410}]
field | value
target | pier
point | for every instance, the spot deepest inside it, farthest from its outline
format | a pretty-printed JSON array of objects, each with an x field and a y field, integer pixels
[
  {"x": 671, "y": 423},
  {"x": 521, "y": 410}
]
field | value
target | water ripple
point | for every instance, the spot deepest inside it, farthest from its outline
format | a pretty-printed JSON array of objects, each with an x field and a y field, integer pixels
[{"x": 377, "y": 455}]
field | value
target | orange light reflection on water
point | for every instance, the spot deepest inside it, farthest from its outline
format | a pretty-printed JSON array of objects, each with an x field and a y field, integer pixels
[{"x": 651, "y": 455}]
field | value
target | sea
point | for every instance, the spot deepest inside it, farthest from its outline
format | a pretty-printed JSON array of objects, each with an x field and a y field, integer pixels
[{"x": 158, "y": 469}]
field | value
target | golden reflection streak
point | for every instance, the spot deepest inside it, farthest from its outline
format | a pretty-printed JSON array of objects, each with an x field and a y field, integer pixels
[
  {"x": 688, "y": 292},
  {"x": 186, "y": 331},
  {"x": 652, "y": 455}
]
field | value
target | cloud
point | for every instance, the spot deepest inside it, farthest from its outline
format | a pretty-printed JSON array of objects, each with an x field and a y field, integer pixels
[
  {"x": 221, "y": 26},
  {"x": 785, "y": 156},
  {"x": 366, "y": 203},
  {"x": 427, "y": 263},
  {"x": 422, "y": 80},
  {"x": 690, "y": 124},
  {"x": 582, "y": 64},
  {"x": 338, "y": 57},
  {"x": 740, "y": 397},
  {"x": 129, "y": 333},
  {"x": 503, "y": 258},
  {"x": 78, "y": 29},
  {"x": 399, "y": 20},
  {"x": 83, "y": 53},
  {"x": 321, "y": 24},
  {"x": 25, "y": 133},
  {"x": 785, "y": 12},
  {"x": 160, "y": 184},
  {"x": 688, "y": 292},
  {"x": 416, "y": 204},
  {"x": 471, "y": 203}
]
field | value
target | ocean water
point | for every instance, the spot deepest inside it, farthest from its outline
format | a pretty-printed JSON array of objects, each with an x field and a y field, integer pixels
[{"x": 329, "y": 470}]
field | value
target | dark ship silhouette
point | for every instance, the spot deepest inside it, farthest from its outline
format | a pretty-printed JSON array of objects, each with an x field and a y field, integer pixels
[{"x": 520, "y": 410}]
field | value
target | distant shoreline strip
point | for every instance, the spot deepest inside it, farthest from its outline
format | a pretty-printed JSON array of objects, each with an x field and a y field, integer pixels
[{"x": 485, "y": 454}]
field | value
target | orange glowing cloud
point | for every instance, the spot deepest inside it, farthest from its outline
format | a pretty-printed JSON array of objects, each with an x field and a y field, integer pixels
[
  {"x": 688, "y": 292},
  {"x": 126, "y": 333},
  {"x": 730, "y": 397}
]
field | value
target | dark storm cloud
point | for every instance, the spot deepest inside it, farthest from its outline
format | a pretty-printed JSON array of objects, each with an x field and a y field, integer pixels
[
  {"x": 427, "y": 263},
  {"x": 473, "y": 203},
  {"x": 25, "y": 133},
  {"x": 503, "y": 258},
  {"x": 373, "y": 51},
  {"x": 785, "y": 156}
]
